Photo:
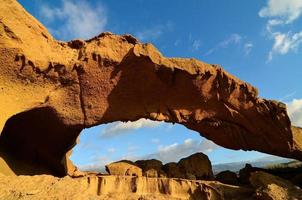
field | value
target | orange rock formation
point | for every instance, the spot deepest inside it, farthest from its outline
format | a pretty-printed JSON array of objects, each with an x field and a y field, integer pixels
[{"x": 51, "y": 90}]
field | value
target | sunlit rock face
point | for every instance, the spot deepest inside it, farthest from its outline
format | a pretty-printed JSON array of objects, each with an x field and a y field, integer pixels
[
  {"x": 193, "y": 167},
  {"x": 51, "y": 90},
  {"x": 116, "y": 187}
]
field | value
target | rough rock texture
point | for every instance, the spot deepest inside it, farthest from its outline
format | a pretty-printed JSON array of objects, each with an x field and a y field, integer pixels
[
  {"x": 196, "y": 166},
  {"x": 172, "y": 170},
  {"x": 51, "y": 90},
  {"x": 270, "y": 187},
  {"x": 115, "y": 187},
  {"x": 227, "y": 177},
  {"x": 297, "y": 180},
  {"x": 124, "y": 168},
  {"x": 245, "y": 173},
  {"x": 151, "y": 168}
]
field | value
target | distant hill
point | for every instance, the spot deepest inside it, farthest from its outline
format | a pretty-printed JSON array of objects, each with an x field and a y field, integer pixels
[{"x": 261, "y": 162}]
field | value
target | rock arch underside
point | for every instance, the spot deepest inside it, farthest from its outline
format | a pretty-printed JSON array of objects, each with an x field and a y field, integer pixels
[{"x": 51, "y": 90}]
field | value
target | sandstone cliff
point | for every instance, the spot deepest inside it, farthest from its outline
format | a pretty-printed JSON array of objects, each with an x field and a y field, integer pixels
[{"x": 116, "y": 188}]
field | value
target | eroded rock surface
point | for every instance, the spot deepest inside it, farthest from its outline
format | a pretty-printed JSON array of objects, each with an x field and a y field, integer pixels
[
  {"x": 269, "y": 187},
  {"x": 172, "y": 170},
  {"x": 196, "y": 166},
  {"x": 51, "y": 90},
  {"x": 227, "y": 177},
  {"x": 115, "y": 187},
  {"x": 151, "y": 168},
  {"x": 124, "y": 168}
]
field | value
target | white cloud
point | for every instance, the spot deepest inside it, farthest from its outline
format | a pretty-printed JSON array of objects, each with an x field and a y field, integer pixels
[
  {"x": 153, "y": 33},
  {"x": 174, "y": 152},
  {"x": 282, "y": 13},
  {"x": 285, "y": 10},
  {"x": 119, "y": 128},
  {"x": 294, "y": 109},
  {"x": 77, "y": 19},
  {"x": 284, "y": 43},
  {"x": 233, "y": 39},
  {"x": 272, "y": 23},
  {"x": 248, "y": 48}
]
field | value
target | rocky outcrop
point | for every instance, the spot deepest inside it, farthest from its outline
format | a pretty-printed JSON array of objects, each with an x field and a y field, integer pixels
[
  {"x": 196, "y": 166},
  {"x": 115, "y": 187},
  {"x": 52, "y": 90},
  {"x": 172, "y": 170},
  {"x": 290, "y": 171},
  {"x": 269, "y": 187},
  {"x": 124, "y": 168},
  {"x": 151, "y": 168},
  {"x": 227, "y": 177},
  {"x": 245, "y": 173}
]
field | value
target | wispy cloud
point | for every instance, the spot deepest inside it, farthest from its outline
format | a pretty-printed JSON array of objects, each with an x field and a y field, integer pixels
[
  {"x": 177, "y": 42},
  {"x": 196, "y": 45},
  {"x": 248, "y": 48},
  {"x": 294, "y": 109},
  {"x": 287, "y": 96},
  {"x": 282, "y": 13},
  {"x": 174, "y": 152},
  {"x": 233, "y": 39},
  {"x": 75, "y": 19},
  {"x": 97, "y": 164},
  {"x": 120, "y": 128},
  {"x": 154, "y": 32}
]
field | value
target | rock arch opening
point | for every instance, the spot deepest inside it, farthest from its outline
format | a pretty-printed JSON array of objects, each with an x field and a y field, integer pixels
[
  {"x": 37, "y": 142},
  {"x": 143, "y": 140}
]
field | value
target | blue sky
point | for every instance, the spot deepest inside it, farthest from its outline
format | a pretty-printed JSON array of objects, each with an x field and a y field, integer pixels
[{"x": 258, "y": 41}]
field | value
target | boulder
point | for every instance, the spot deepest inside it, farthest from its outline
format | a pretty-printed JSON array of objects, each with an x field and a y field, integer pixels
[
  {"x": 196, "y": 166},
  {"x": 151, "y": 168},
  {"x": 227, "y": 177},
  {"x": 123, "y": 168},
  {"x": 245, "y": 173},
  {"x": 270, "y": 187},
  {"x": 172, "y": 170}
]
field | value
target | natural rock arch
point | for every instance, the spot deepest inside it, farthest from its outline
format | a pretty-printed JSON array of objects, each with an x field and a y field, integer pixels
[{"x": 108, "y": 78}]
